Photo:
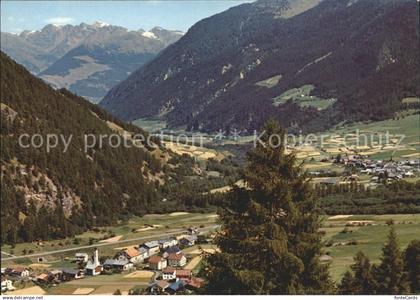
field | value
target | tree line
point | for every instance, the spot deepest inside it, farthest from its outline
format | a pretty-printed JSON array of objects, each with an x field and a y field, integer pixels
[
  {"x": 397, "y": 273},
  {"x": 400, "y": 197}
]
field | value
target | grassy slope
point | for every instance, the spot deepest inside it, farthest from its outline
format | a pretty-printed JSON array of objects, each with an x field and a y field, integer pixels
[
  {"x": 370, "y": 238},
  {"x": 407, "y": 126},
  {"x": 302, "y": 97}
]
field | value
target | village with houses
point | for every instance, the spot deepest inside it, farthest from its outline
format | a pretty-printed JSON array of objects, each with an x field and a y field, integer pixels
[
  {"x": 163, "y": 263},
  {"x": 365, "y": 170}
]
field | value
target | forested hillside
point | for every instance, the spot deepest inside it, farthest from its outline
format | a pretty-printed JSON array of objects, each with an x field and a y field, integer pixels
[
  {"x": 54, "y": 194},
  {"x": 308, "y": 64}
]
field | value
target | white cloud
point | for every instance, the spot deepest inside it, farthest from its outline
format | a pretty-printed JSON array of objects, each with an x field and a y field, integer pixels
[{"x": 59, "y": 20}]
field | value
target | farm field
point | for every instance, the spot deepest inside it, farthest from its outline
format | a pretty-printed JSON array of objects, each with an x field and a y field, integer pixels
[
  {"x": 369, "y": 239},
  {"x": 199, "y": 249},
  {"x": 150, "y": 125},
  {"x": 99, "y": 285},
  {"x": 411, "y": 100},
  {"x": 194, "y": 262},
  {"x": 200, "y": 153},
  {"x": 403, "y": 131},
  {"x": 302, "y": 97},
  {"x": 269, "y": 82},
  {"x": 34, "y": 290}
]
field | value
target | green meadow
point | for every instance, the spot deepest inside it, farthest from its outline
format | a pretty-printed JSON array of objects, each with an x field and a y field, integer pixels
[{"x": 369, "y": 239}]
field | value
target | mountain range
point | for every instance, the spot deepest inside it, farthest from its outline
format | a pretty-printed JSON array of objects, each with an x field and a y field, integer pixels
[
  {"x": 308, "y": 63},
  {"x": 86, "y": 59}
]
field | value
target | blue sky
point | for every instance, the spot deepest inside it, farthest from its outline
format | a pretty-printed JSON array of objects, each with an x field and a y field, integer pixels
[{"x": 33, "y": 15}]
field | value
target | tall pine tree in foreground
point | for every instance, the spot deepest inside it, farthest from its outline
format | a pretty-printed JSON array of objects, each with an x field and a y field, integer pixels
[
  {"x": 360, "y": 280},
  {"x": 390, "y": 275},
  {"x": 412, "y": 265},
  {"x": 270, "y": 241},
  {"x": 346, "y": 285}
]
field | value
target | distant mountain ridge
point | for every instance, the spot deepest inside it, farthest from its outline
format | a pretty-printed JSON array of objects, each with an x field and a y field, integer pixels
[
  {"x": 356, "y": 59},
  {"x": 86, "y": 59}
]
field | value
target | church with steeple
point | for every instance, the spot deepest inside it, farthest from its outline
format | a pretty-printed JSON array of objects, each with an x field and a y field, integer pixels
[{"x": 93, "y": 266}]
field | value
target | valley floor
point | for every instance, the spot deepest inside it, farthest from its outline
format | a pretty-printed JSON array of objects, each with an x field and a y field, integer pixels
[
  {"x": 344, "y": 236},
  {"x": 345, "y": 241}
]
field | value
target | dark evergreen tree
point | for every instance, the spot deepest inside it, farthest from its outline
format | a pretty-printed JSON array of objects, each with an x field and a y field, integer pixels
[
  {"x": 270, "y": 241},
  {"x": 117, "y": 292},
  {"x": 358, "y": 281},
  {"x": 390, "y": 276},
  {"x": 412, "y": 265},
  {"x": 363, "y": 283},
  {"x": 346, "y": 285}
]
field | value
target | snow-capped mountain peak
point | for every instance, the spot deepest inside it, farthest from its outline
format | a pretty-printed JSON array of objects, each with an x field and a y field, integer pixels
[
  {"x": 100, "y": 24},
  {"x": 149, "y": 35}
]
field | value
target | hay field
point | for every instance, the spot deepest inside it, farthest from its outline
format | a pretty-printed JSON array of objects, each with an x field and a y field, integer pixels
[
  {"x": 193, "y": 263},
  {"x": 31, "y": 291},
  {"x": 140, "y": 275},
  {"x": 113, "y": 239},
  {"x": 83, "y": 291}
]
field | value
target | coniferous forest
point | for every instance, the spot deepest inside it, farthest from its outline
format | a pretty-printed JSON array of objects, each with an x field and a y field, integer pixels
[
  {"x": 89, "y": 189},
  {"x": 109, "y": 181}
]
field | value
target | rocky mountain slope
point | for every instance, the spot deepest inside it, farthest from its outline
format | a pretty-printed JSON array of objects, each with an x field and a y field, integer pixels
[
  {"x": 86, "y": 59},
  {"x": 64, "y": 191},
  {"x": 309, "y": 64},
  {"x": 67, "y": 165}
]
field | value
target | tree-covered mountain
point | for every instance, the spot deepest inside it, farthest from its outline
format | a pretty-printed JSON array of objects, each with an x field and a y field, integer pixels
[
  {"x": 86, "y": 59},
  {"x": 79, "y": 184},
  {"x": 308, "y": 64},
  {"x": 53, "y": 193}
]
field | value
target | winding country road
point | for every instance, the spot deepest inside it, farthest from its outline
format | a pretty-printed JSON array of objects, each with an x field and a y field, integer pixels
[
  {"x": 8, "y": 254},
  {"x": 97, "y": 245}
]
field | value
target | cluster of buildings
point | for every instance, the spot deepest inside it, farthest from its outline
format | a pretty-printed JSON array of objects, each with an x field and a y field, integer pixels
[
  {"x": 381, "y": 171},
  {"x": 388, "y": 171},
  {"x": 163, "y": 257},
  {"x": 179, "y": 284},
  {"x": 9, "y": 275},
  {"x": 403, "y": 168}
]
